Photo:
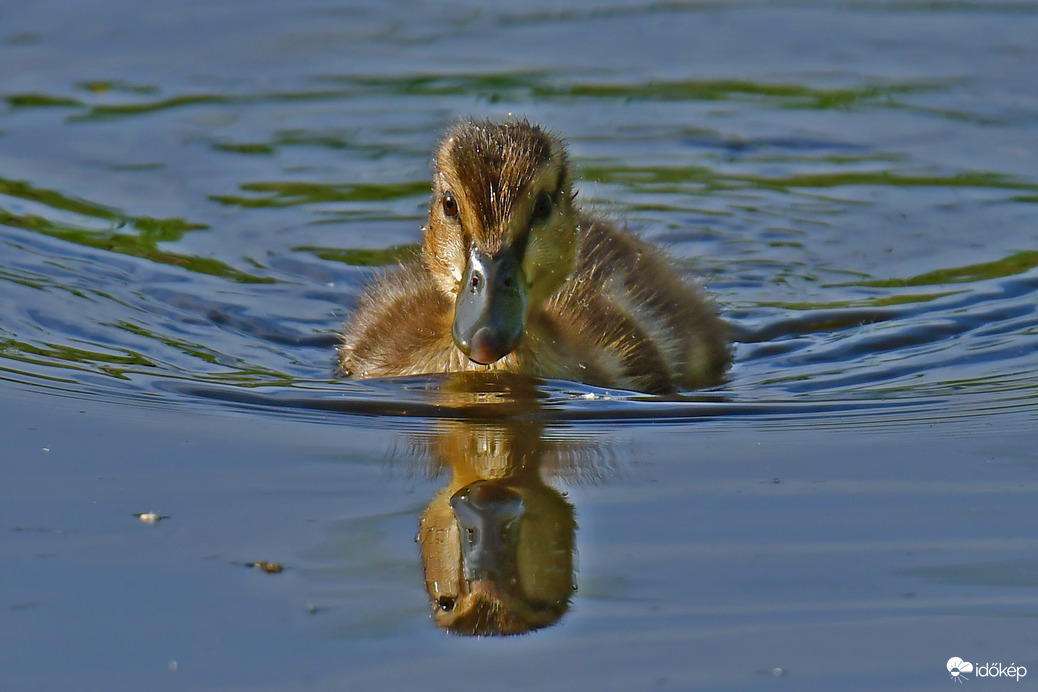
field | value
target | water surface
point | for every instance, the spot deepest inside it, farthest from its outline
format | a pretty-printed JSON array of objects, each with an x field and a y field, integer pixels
[{"x": 192, "y": 197}]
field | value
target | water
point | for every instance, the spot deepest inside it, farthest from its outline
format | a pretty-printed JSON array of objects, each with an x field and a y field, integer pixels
[{"x": 192, "y": 197}]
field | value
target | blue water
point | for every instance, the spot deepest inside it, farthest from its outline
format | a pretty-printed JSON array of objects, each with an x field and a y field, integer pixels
[{"x": 193, "y": 196}]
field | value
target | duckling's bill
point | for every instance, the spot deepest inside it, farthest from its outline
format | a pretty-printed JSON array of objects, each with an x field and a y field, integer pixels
[{"x": 490, "y": 312}]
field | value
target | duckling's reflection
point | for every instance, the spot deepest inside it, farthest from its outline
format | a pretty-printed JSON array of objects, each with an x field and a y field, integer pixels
[{"x": 497, "y": 542}]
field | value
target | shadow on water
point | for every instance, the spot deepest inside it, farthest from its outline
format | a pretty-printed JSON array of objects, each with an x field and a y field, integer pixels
[{"x": 414, "y": 399}]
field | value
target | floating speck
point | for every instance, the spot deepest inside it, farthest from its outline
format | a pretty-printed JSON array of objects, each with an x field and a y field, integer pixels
[{"x": 151, "y": 517}]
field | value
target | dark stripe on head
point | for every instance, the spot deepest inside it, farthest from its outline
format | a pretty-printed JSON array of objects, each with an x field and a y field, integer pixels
[{"x": 495, "y": 162}]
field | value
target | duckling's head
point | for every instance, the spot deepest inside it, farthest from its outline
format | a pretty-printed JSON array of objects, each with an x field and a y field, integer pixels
[{"x": 502, "y": 233}]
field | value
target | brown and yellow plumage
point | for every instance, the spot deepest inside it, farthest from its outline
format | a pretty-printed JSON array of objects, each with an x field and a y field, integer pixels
[{"x": 514, "y": 276}]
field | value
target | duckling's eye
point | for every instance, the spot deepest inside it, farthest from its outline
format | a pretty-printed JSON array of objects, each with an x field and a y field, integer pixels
[
  {"x": 542, "y": 207},
  {"x": 446, "y": 604},
  {"x": 450, "y": 205}
]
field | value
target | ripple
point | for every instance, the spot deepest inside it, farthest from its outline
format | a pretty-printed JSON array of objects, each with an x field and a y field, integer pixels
[{"x": 873, "y": 235}]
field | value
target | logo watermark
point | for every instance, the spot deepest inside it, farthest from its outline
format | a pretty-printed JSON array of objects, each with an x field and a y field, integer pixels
[{"x": 960, "y": 670}]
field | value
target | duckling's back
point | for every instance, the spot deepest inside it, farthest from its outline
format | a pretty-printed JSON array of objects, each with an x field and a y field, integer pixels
[{"x": 632, "y": 319}]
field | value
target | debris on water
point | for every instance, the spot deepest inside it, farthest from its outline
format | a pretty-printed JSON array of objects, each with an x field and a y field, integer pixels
[{"x": 268, "y": 567}]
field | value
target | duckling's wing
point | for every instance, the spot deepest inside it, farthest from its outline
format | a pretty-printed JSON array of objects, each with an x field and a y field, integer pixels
[{"x": 400, "y": 326}]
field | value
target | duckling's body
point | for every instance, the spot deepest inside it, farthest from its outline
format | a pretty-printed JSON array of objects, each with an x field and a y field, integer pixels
[{"x": 513, "y": 277}]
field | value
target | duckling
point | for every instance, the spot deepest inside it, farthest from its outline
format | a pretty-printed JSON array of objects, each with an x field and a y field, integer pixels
[{"x": 515, "y": 277}]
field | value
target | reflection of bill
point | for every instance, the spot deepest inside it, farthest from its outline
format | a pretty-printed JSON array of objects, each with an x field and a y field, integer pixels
[
  {"x": 498, "y": 556},
  {"x": 497, "y": 542}
]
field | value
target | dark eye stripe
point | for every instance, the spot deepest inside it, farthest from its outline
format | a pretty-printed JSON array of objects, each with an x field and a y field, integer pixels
[{"x": 520, "y": 246}]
